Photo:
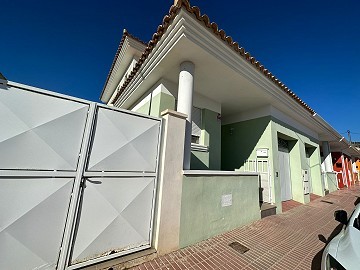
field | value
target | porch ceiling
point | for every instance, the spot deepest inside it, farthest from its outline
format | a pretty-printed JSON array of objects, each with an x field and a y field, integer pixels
[
  {"x": 214, "y": 79},
  {"x": 225, "y": 84}
]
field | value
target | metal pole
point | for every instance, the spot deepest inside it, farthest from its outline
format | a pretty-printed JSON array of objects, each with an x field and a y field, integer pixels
[{"x": 349, "y": 135}]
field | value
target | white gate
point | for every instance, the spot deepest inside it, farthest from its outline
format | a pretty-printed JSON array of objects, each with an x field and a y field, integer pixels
[
  {"x": 261, "y": 166},
  {"x": 77, "y": 180}
]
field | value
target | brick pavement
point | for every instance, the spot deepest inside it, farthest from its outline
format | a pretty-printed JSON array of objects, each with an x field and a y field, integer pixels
[{"x": 291, "y": 240}]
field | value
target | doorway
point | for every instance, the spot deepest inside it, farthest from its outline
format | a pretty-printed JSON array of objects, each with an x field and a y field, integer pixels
[{"x": 284, "y": 170}]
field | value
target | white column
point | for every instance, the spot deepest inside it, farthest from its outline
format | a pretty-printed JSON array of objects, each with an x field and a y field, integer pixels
[
  {"x": 184, "y": 105},
  {"x": 327, "y": 157}
]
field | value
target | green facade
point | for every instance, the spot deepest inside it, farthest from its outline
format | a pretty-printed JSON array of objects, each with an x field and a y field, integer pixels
[
  {"x": 211, "y": 137},
  {"x": 157, "y": 104},
  {"x": 202, "y": 214},
  {"x": 241, "y": 140}
]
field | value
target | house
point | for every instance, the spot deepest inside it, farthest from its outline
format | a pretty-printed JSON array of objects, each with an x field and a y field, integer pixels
[
  {"x": 239, "y": 116},
  {"x": 231, "y": 136}
]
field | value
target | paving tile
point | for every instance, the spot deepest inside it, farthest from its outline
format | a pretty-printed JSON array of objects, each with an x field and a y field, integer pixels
[{"x": 286, "y": 241}]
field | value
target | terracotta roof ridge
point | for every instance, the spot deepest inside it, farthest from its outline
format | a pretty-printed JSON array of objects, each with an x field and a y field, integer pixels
[
  {"x": 125, "y": 34},
  {"x": 174, "y": 9},
  {"x": 2, "y": 77}
]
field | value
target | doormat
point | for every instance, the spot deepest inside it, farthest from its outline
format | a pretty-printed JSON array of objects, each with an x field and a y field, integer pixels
[{"x": 239, "y": 247}]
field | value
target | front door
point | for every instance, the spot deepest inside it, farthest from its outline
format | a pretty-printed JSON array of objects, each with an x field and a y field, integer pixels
[{"x": 284, "y": 171}]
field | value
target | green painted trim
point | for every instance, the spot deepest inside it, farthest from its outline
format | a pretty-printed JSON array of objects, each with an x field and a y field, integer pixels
[
  {"x": 332, "y": 181},
  {"x": 144, "y": 109},
  {"x": 315, "y": 172},
  {"x": 161, "y": 102},
  {"x": 157, "y": 104},
  {"x": 199, "y": 160},
  {"x": 297, "y": 155},
  {"x": 212, "y": 137},
  {"x": 202, "y": 215}
]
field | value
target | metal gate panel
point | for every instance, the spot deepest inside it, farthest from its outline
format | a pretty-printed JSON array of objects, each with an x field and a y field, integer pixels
[
  {"x": 263, "y": 169},
  {"x": 261, "y": 166},
  {"x": 132, "y": 138},
  {"x": 32, "y": 218},
  {"x": 40, "y": 132},
  {"x": 115, "y": 216},
  {"x": 77, "y": 180}
]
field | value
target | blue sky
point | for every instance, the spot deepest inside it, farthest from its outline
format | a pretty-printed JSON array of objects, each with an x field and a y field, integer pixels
[{"x": 313, "y": 46}]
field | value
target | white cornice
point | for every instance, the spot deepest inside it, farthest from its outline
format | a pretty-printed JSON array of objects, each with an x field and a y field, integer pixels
[
  {"x": 185, "y": 25},
  {"x": 167, "y": 41},
  {"x": 130, "y": 49}
]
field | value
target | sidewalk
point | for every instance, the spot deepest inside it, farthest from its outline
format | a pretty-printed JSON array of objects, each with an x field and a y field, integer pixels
[{"x": 292, "y": 240}]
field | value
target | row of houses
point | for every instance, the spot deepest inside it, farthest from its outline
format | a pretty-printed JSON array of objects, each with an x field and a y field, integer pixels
[
  {"x": 240, "y": 116},
  {"x": 235, "y": 142}
]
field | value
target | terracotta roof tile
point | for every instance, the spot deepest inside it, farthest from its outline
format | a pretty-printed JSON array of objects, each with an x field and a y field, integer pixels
[
  {"x": 174, "y": 10},
  {"x": 2, "y": 77},
  {"x": 125, "y": 34}
]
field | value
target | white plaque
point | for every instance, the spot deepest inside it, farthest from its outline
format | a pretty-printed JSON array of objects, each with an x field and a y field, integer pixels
[
  {"x": 226, "y": 200},
  {"x": 262, "y": 152}
]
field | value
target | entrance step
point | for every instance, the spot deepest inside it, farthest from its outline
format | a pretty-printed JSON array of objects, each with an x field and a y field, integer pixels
[
  {"x": 314, "y": 197},
  {"x": 290, "y": 204},
  {"x": 267, "y": 209}
]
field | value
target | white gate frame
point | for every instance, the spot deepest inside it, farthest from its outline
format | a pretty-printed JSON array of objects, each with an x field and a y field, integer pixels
[
  {"x": 64, "y": 257},
  {"x": 71, "y": 224}
]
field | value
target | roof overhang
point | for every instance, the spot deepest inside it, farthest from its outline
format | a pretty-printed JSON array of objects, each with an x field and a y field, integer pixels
[
  {"x": 130, "y": 48},
  {"x": 221, "y": 74}
]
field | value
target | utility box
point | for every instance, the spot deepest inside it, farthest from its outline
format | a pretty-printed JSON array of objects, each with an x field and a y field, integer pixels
[{"x": 305, "y": 176}]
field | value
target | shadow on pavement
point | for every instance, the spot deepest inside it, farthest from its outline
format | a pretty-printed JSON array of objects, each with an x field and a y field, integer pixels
[{"x": 316, "y": 262}]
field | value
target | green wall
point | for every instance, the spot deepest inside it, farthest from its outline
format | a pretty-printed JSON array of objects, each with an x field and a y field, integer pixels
[
  {"x": 315, "y": 168},
  {"x": 211, "y": 137},
  {"x": 159, "y": 103},
  {"x": 144, "y": 109},
  {"x": 332, "y": 181},
  {"x": 202, "y": 215},
  {"x": 298, "y": 141},
  {"x": 297, "y": 158},
  {"x": 241, "y": 140}
]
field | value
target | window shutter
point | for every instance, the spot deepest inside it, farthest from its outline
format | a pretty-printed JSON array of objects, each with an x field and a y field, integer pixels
[{"x": 196, "y": 122}]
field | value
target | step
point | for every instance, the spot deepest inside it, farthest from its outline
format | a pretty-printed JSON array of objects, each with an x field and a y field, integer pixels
[{"x": 267, "y": 209}]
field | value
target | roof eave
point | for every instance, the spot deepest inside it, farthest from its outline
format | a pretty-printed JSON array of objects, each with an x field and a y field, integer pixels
[{"x": 104, "y": 96}]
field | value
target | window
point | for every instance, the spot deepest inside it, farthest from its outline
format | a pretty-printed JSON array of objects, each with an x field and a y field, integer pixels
[
  {"x": 196, "y": 125},
  {"x": 195, "y": 139}
]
